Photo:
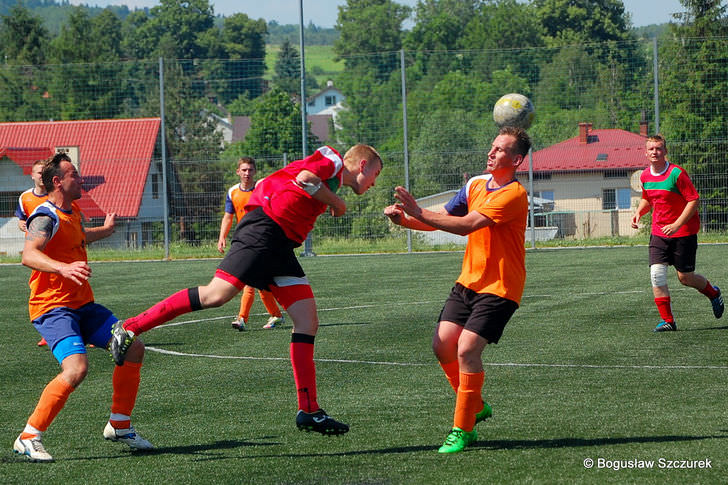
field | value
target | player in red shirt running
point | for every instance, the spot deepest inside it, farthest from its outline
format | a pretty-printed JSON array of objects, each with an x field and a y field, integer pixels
[
  {"x": 668, "y": 191},
  {"x": 281, "y": 213}
]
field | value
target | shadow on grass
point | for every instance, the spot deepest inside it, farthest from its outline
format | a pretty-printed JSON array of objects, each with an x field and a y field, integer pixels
[
  {"x": 683, "y": 329},
  {"x": 203, "y": 450},
  {"x": 514, "y": 445},
  {"x": 581, "y": 442}
]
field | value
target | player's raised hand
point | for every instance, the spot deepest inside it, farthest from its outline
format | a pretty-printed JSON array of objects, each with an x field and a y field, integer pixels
[
  {"x": 407, "y": 203},
  {"x": 77, "y": 271},
  {"x": 395, "y": 213}
]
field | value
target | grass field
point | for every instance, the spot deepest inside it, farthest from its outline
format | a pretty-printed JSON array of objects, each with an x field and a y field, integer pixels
[{"x": 578, "y": 375}]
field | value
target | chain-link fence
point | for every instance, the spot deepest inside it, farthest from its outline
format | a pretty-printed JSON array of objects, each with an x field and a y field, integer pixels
[{"x": 428, "y": 113}]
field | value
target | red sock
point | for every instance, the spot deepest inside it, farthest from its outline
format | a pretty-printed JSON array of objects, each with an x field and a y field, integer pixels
[
  {"x": 164, "y": 311},
  {"x": 665, "y": 309},
  {"x": 304, "y": 371},
  {"x": 709, "y": 291}
]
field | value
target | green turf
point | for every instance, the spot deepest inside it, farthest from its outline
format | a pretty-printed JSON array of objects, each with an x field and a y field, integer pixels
[{"x": 578, "y": 375}]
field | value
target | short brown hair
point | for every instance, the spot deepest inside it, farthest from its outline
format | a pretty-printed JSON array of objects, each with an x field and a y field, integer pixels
[
  {"x": 52, "y": 168},
  {"x": 364, "y": 152},
  {"x": 523, "y": 141},
  {"x": 657, "y": 138},
  {"x": 249, "y": 160}
]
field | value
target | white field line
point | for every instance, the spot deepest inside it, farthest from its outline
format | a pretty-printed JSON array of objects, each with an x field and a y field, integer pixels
[
  {"x": 413, "y": 364},
  {"x": 433, "y": 364}
]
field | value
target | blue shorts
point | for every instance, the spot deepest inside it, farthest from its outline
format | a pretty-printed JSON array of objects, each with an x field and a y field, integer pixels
[{"x": 68, "y": 331}]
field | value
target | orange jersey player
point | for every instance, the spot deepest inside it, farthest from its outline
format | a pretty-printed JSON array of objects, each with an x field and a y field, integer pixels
[
  {"x": 491, "y": 210},
  {"x": 63, "y": 310},
  {"x": 235, "y": 201}
]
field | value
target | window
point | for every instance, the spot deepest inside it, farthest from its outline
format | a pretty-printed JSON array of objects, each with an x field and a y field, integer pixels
[
  {"x": 330, "y": 100},
  {"x": 544, "y": 194},
  {"x": 616, "y": 199},
  {"x": 615, "y": 174},
  {"x": 155, "y": 186},
  {"x": 8, "y": 203}
]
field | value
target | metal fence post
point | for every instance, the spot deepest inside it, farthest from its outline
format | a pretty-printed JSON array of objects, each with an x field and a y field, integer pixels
[
  {"x": 405, "y": 133},
  {"x": 164, "y": 159}
]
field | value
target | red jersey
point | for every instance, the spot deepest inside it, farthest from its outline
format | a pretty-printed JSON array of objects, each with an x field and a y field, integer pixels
[
  {"x": 668, "y": 193},
  {"x": 495, "y": 256},
  {"x": 236, "y": 200},
  {"x": 284, "y": 201},
  {"x": 67, "y": 244}
]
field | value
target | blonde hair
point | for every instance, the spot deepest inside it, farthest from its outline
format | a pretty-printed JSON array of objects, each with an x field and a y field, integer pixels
[{"x": 363, "y": 152}]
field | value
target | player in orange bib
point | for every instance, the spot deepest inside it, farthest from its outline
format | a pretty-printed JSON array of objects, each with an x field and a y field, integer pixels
[
  {"x": 63, "y": 310},
  {"x": 235, "y": 201},
  {"x": 491, "y": 210},
  {"x": 28, "y": 201}
]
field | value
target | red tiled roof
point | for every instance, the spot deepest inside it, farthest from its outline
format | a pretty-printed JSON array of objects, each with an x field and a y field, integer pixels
[
  {"x": 25, "y": 156},
  {"x": 116, "y": 152},
  {"x": 605, "y": 150}
]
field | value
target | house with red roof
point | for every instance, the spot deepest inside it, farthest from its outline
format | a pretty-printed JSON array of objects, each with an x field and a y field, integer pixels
[
  {"x": 592, "y": 179},
  {"x": 119, "y": 161}
]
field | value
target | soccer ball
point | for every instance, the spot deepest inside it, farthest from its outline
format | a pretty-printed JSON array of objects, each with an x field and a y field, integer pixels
[{"x": 514, "y": 110}]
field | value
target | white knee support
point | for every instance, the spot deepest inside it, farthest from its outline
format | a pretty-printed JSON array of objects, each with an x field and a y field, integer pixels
[{"x": 658, "y": 274}]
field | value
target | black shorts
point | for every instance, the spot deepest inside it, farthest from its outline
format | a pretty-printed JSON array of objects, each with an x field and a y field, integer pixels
[
  {"x": 677, "y": 251},
  {"x": 260, "y": 251},
  {"x": 482, "y": 313}
]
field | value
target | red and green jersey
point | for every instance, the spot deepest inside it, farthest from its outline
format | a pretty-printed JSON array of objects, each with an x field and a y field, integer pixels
[
  {"x": 668, "y": 193},
  {"x": 67, "y": 244},
  {"x": 494, "y": 260}
]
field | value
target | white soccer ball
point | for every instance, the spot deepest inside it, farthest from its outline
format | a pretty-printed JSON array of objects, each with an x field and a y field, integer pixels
[{"x": 514, "y": 110}]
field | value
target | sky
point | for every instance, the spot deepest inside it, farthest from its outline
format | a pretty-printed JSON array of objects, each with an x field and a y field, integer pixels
[{"x": 323, "y": 13}]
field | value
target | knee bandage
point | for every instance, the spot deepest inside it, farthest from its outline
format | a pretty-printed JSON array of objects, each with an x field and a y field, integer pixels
[{"x": 658, "y": 274}]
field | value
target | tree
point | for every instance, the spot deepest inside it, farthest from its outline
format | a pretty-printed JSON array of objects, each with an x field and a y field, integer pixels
[
  {"x": 369, "y": 26},
  {"x": 244, "y": 43},
  {"x": 693, "y": 95},
  {"x": 275, "y": 129},
  {"x": 86, "y": 79},
  {"x": 569, "y": 22},
  {"x": 288, "y": 69},
  {"x": 23, "y": 39}
]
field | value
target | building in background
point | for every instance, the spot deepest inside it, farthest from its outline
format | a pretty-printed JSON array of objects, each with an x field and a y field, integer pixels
[{"x": 119, "y": 161}]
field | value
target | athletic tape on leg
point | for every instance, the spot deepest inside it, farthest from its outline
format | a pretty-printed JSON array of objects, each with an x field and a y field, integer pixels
[{"x": 658, "y": 274}]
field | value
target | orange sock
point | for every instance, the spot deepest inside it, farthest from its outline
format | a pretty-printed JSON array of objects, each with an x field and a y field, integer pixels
[
  {"x": 270, "y": 303},
  {"x": 125, "y": 382},
  {"x": 469, "y": 400},
  {"x": 51, "y": 401},
  {"x": 246, "y": 302},
  {"x": 452, "y": 372}
]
